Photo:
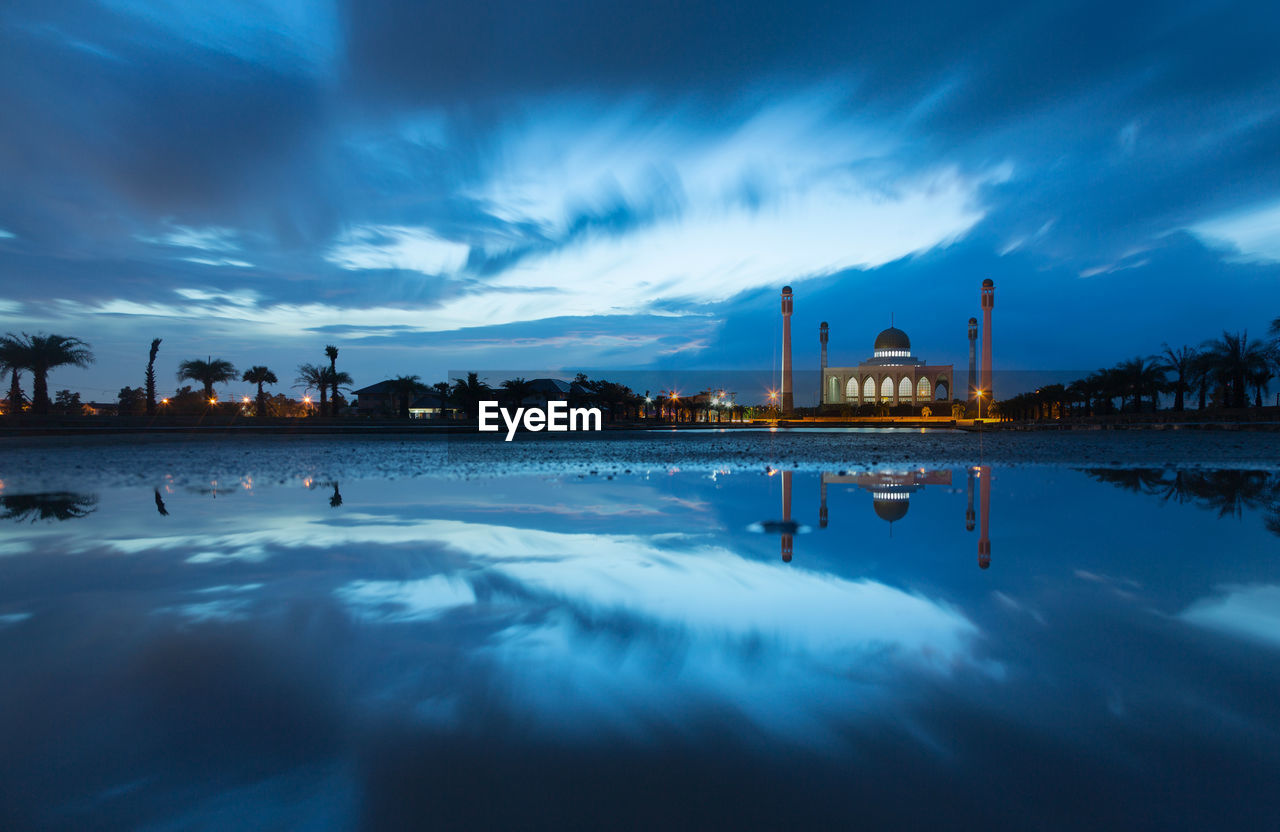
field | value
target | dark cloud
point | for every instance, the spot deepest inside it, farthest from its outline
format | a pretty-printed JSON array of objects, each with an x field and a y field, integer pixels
[{"x": 1120, "y": 126}]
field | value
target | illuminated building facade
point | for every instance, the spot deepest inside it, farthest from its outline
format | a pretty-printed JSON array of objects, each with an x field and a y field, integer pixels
[{"x": 892, "y": 375}]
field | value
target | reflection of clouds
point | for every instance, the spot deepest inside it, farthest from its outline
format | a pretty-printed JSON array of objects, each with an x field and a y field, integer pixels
[
  {"x": 13, "y": 618},
  {"x": 1249, "y": 612},
  {"x": 631, "y": 621},
  {"x": 414, "y": 600}
]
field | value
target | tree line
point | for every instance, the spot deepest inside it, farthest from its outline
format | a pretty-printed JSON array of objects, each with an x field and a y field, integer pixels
[
  {"x": 1232, "y": 371},
  {"x": 40, "y": 354}
]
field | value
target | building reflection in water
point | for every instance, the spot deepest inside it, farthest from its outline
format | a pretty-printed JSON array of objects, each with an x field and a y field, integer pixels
[
  {"x": 786, "y": 527},
  {"x": 890, "y": 499}
]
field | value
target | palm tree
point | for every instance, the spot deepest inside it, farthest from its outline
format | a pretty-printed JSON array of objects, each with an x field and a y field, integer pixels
[
  {"x": 332, "y": 351},
  {"x": 405, "y": 388},
  {"x": 260, "y": 375},
  {"x": 1201, "y": 377},
  {"x": 470, "y": 392},
  {"x": 1235, "y": 359},
  {"x": 1180, "y": 363},
  {"x": 151, "y": 377},
  {"x": 209, "y": 372},
  {"x": 1141, "y": 376},
  {"x": 41, "y": 353},
  {"x": 314, "y": 376},
  {"x": 11, "y": 356},
  {"x": 1259, "y": 376},
  {"x": 516, "y": 390},
  {"x": 337, "y": 380}
]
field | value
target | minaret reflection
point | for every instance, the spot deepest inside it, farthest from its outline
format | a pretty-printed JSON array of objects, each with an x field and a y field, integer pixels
[
  {"x": 788, "y": 528},
  {"x": 984, "y": 499},
  {"x": 968, "y": 512}
]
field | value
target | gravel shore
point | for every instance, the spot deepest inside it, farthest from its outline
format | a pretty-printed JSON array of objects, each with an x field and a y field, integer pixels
[{"x": 98, "y": 462}]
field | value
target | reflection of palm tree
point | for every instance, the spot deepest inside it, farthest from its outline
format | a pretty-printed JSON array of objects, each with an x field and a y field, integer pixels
[
  {"x": 1137, "y": 480},
  {"x": 260, "y": 375},
  {"x": 336, "y": 499},
  {"x": 40, "y": 354},
  {"x": 54, "y": 505},
  {"x": 1228, "y": 493},
  {"x": 164, "y": 512},
  {"x": 208, "y": 372}
]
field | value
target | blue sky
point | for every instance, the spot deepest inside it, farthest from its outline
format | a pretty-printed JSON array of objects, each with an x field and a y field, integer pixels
[{"x": 523, "y": 185}]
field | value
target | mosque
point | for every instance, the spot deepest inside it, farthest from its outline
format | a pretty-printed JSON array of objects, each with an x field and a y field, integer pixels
[{"x": 893, "y": 375}]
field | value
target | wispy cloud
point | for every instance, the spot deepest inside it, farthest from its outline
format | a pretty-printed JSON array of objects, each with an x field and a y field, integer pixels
[{"x": 1253, "y": 233}]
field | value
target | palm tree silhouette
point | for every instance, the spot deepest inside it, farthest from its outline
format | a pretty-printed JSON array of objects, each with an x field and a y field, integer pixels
[
  {"x": 260, "y": 375},
  {"x": 332, "y": 351},
  {"x": 314, "y": 376},
  {"x": 470, "y": 392},
  {"x": 41, "y": 353},
  {"x": 1234, "y": 359},
  {"x": 1181, "y": 364},
  {"x": 516, "y": 390},
  {"x": 11, "y": 362},
  {"x": 55, "y": 505},
  {"x": 208, "y": 372},
  {"x": 405, "y": 388},
  {"x": 151, "y": 377}
]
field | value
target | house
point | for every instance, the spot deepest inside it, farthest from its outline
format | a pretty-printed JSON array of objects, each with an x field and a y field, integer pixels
[{"x": 377, "y": 399}]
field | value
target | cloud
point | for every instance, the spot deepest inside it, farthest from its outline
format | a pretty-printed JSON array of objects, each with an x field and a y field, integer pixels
[
  {"x": 1248, "y": 612},
  {"x": 1253, "y": 233},
  {"x": 397, "y": 247}
]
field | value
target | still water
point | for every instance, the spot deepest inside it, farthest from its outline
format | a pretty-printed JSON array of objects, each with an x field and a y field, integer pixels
[{"x": 968, "y": 647}]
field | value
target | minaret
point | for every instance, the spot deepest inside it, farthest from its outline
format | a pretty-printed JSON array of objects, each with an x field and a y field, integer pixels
[
  {"x": 786, "y": 517},
  {"x": 822, "y": 380},
  {"x": 974, "y": 381},
  {"x": 788, "y": 389},
  {"x": 988, "y": 301},
  {"x": 984, "y": 499},
  {"x": 968, "y": 513}
]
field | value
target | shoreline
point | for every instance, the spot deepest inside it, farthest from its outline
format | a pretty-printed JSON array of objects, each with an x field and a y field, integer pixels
[{"x": 798, "y": 427}]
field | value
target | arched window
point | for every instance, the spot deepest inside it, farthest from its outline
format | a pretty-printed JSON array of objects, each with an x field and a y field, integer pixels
[
  {"x": 886, "y": 390},
  {"x": 850, "y": 389},
  {"x": 904, "y": 388},
  {"x": 924, "y": 390},
  {"x": 869, "y": 390}
]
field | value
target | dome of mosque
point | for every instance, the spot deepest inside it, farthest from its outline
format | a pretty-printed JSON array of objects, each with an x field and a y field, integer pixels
[
  {"x": 893, "y": 339},
  {"x": 890, "y": 510}
]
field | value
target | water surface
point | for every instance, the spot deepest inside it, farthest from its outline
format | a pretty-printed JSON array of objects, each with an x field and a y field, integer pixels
[{"x": 967, "y": 645}]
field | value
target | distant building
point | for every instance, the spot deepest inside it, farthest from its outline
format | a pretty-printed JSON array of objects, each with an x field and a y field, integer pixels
[
  {"x": 376, "y": 398},
  {"x": 892, "y": 375}
]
